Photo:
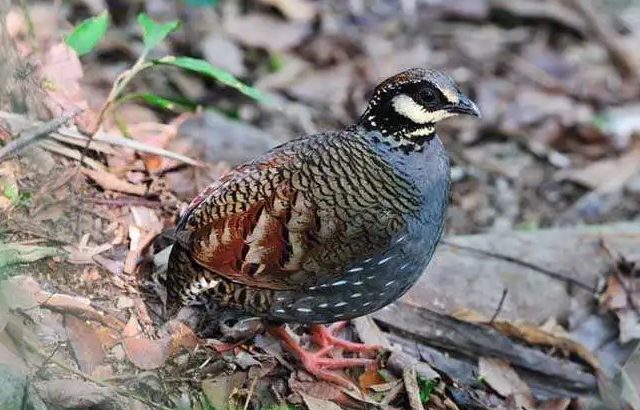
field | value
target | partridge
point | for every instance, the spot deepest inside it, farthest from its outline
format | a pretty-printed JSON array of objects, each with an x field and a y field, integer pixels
[{"x": 326, "y": 227}]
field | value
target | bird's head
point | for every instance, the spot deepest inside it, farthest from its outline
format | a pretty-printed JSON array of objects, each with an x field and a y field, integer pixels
[{"x": 406, "y": 107}]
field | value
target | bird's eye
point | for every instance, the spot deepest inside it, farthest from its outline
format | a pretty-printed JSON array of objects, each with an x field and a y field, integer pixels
[{"x": 428, "y": 95}]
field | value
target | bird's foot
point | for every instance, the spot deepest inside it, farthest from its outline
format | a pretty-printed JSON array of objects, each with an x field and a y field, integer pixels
[
  {"x": 318, "y": 363},
  {"x": 325, "y": 336}
]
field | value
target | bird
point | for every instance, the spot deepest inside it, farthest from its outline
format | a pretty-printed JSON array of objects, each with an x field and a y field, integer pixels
[{"x": 325, "y": 227}]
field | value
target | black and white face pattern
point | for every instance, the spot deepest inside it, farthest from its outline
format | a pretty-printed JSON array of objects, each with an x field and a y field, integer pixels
[{"x": 406, "y": 107}]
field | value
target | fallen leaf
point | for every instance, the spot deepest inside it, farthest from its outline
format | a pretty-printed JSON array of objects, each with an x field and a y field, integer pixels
[
  {"x": 144, "y": 353},
  {"x": 76, "y": 306},
  {"x": 86, "y": 344},
  {"x": 181, "y": 337},
  {"x": 72, "y": 394},
  {"x": 20, "y": 292},
  {"x": 606, "y": 174},
  {"x": 63, "y": 70},
  {"x": 250, "y": 29},
  {"x": 219, "y": 390},
  {"x": 555, "y": 404},
  {"x": 10, "y": 355},
  {"x": 505, "y": 381},
  {"x": 533, "y": 335},
  {"x": 110, "y": 182},
  {"x": 628, "y": 324},
  {"x": 314, "y": 403},
  {"x": 107, "y": 336},
  {"x": 370, "y": 377},
  {"x": 146, "y": 219}
]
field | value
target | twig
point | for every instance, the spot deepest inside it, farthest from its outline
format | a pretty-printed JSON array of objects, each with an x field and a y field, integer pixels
[
  {"x": 250, "y": 393},
  {"x": 33, "y": 347},
  {"x": 31, "y": 135},
  {"x": 499, "y": 308},
  {"x": 411, "y": 386},
  {"x": 525, "y": 264}
]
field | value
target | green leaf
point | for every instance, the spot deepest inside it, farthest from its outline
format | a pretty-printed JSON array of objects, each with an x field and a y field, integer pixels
[
  {"x": 203, "y": 67},
  {"x": 426, "y": 387},
  {"x": 10, "y": 192},
  {"x": 87, "y": 34},
  {"x": 153, "y": 32},
  {"x": 172, "y": 104}
]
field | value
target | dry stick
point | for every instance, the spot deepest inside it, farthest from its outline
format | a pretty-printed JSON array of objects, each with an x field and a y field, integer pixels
[
  {"x": 525, "y": 264},
  {"x": 33, "y": 347},
  {"x": 499, "y": 308},
  {"x": 31, "y": 135},
  {"x": 620, "y": 58},
  {"x": 251, "y": 389}
]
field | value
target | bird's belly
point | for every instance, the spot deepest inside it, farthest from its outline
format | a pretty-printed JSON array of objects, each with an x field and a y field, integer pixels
[{"x": 366, "y": 286}]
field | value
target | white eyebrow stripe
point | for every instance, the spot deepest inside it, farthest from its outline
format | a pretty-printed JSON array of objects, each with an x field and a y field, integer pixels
[
  {"x": 450, "y": 95},
  {"x": 408, "y": 107}
]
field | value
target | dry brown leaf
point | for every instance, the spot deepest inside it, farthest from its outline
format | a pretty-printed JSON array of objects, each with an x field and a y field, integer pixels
[
  {"x": 555, "y": 404},
  {"x": 73, "y": 394},
  {"x": 139, "y": 242},
  {"x": 63, "y": 72},
  {"x": 614, "y": 296},
  {"x": 107, "y": 336},
  {"x": 219, "y": 389},
  {"x": 144, "y": 353},
  {"x": 533, "y": 335},
  {"x": 110, "y": 182},
  {"x": 182, "y": 337},
  {"x": 469, "y": 315},
  {"x": 607, "y": 174},
  {"x": 86, "y": 344},
  {"x": 314, "y": 403},
  {"x": 20, "y": 292},
  {"x": 370, "y": 377},
  {"x": 10, "y": 355},
  {"x": 146, "y": 218},
  {"x": 76, "y": 306},
  {"x": 505, "y": 381}
]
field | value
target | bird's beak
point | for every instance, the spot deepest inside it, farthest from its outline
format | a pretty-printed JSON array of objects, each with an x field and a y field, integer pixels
[{"x": 466, "y": 106}]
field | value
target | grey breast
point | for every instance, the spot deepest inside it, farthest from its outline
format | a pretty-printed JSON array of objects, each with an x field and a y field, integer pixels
[{"x": 372, "y": 283}]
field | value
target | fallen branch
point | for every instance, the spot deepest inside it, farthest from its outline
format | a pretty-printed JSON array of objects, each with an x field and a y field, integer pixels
[
  {"x": 31, "y": 136},
  {"x": 470, "y": 341}
]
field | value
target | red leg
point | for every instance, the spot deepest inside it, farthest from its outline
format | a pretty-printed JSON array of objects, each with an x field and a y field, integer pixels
[
  {"x": 315, "y": 363},
  {"x": 325, "y": 336}
]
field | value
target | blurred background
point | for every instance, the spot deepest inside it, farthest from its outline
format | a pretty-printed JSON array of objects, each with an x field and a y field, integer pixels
[{"x": 557, "y": 82}]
